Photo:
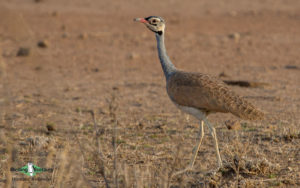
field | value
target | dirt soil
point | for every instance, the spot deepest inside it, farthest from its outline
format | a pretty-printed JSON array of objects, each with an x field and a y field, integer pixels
[{"x": 86, "y": 97}]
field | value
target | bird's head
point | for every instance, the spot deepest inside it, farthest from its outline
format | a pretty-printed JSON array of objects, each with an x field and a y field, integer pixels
[{"x": 154, "y": 23}]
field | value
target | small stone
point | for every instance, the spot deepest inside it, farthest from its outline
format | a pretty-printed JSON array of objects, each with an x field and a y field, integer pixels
[
  {"x": 83, "y": 36},
  {"x": 291, "y": 67},
  {"x": 235, "y": 36},
  {"x": 95, "y": 70},
  {"x": 223, "y": 74},
  {"x": 43, "y": 44},
  {"x": 54, "y": 13},
  {"x": 23, "y": 51},
  {"x": 50, "y": 127},
  {"x": 63, "y": 27},
  {"x": 140, "y": 125},
  {"x": 233, "y": 125},
  {"x": 65, "y": 35},
  {"x": 38, "y": 68},
  {"x": 133, "y": 55}
]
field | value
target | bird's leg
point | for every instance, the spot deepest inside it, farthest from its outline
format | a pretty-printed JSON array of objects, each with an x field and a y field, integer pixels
[
  {"x": 195, "y": 150},
  {"x": 197, "y": 147},
  {"x": 214, "y": 135}
]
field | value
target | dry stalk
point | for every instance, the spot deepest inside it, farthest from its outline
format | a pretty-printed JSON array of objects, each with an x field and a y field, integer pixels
[
  {"x": 115, "y": 154},
  {"x": 175, "y": 161},
  {"x": 112, "y": 113},
  {"x": 97, "y": 134},
  {"x": 100, "y": 165},
  {"x": 8, "y": 175}
]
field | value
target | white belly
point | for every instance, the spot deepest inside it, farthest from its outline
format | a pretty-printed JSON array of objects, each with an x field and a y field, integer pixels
[{"x": 199, "y": 114}]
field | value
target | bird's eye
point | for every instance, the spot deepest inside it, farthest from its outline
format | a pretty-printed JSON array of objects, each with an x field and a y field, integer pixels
[{"x": 153, "y": 21}]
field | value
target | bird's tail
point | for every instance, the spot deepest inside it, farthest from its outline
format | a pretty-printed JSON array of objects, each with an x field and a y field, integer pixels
[{"x": 245, "y": 110}]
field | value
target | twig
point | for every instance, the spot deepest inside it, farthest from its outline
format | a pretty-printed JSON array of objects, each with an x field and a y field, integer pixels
[
  {"x": 115, "y": 156},
  {"x": 176, "y": 159},
  {"x": 97, "y": 133},
  {"x": 98, "y": 146},
  {"x": 112, "y": 112},
  {"x": 102, "y": 171}
]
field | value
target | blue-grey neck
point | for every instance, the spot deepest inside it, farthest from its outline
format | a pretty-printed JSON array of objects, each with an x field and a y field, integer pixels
[{"x": 165, "y": 61}]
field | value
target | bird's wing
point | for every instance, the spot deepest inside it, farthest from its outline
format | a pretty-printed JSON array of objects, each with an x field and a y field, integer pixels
[{"x": 208, "y": 93}]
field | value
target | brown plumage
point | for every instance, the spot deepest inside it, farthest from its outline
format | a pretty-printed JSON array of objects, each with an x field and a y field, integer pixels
[{"x": 209, "y": 95}]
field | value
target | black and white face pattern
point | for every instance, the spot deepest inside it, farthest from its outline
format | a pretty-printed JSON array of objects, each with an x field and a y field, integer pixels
[{"x": 155, "y": 24}]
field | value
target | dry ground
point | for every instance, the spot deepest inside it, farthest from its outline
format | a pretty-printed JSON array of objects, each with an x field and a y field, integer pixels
[{"x": 98, "y": 60}]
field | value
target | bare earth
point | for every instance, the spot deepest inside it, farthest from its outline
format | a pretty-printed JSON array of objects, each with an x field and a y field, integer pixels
[{"x": 98, "y": 60}]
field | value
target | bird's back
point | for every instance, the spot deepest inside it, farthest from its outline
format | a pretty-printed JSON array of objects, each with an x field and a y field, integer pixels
[{"x": 208, "y": 94}]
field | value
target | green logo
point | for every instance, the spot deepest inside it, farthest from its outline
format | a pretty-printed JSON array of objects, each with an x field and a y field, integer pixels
[{"x": 31, "y": 170}]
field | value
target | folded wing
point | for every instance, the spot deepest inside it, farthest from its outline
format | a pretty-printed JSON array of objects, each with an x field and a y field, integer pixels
[{"x": 209, "y": 94}]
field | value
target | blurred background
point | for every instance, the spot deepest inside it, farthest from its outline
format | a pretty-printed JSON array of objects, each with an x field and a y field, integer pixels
[{"x": 82, "y": 92}]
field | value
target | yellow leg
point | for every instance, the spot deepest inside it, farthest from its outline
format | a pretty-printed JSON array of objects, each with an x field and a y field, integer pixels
[
  {"x": 212, "y": 130},
  {"x": 197, "y": 147},
  {"x": 195, "y": 150},
  {"x": 214, "y": 135}
]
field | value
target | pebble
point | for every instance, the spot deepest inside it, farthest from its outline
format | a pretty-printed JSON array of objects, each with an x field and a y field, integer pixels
[
  {"x": 133, "y": 55},
  {"x": 65, "y": 35},
  {"x": 63, "y": 27},
  {"x": 43, "y": 44},
  {"x": 23, "y": 51},
  {"x": 235, "y": 36},
  {"x": 54, "y": 13},
  {"x": 223, "y": 74},
  {"x": 233, "y": 125},
  {"x": 83, "y": 36},
  {"x": 50, "y": 127},
  {"x": 291, "y": 67}
]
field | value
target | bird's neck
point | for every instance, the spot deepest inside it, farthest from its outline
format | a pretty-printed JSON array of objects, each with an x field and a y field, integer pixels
[{"x": 165, "y": 61}]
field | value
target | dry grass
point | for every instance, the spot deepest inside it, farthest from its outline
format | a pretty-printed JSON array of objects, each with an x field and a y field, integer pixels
[{"x": 102, "y": 153}]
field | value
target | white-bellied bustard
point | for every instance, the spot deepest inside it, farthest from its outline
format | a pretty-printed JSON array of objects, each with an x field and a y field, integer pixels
[{"x": 196, "y": 93}]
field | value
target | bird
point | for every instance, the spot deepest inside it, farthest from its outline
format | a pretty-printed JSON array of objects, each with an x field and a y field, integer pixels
[{"x": 198, "y": 94}]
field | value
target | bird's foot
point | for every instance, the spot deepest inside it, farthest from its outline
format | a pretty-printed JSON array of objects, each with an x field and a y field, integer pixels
[
  {"x": 187, "y": 169},
  {"x": 220, "y": 168}
]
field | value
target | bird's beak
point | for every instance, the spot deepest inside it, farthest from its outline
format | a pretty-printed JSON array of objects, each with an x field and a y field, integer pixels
[{"x": 142, "y": 20}]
